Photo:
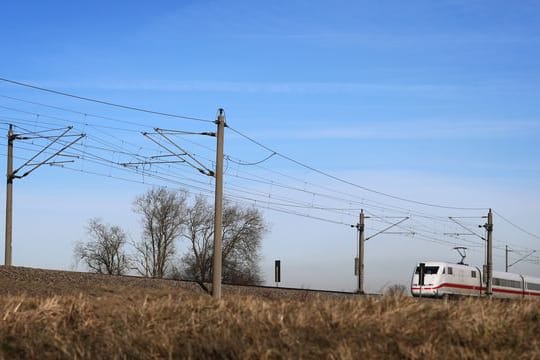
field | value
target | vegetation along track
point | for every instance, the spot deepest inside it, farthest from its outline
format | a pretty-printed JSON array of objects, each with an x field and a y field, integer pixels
[
  {"x": 16, "y": 280},
  {"x": 65, "y": 315}
]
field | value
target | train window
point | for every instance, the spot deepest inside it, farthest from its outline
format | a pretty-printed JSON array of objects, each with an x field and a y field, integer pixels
[
  {"x": 506, "y": 283},
  {"x": 428, "y": 270},
  {"x": 473, "y": 274},
  {"x": 450, "y": 272},
  {"x": 443, "y": 270},
  {"x": 532, "y": 286},
  {"x": 515, "y": 284}
]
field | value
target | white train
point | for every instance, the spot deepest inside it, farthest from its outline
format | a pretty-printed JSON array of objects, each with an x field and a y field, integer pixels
[{"x": 446, "y": 279}]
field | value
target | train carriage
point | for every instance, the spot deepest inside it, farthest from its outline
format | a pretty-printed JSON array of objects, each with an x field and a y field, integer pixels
[
  {"x": 443, "y": 278},
  {"x": 439, "y": 279},
  {"x": 532, "y": 287},
  {"x": 507, "y": 285}
]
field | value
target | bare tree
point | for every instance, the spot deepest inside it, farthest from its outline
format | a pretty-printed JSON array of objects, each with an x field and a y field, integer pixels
[
  {"x": 396, "y": 290},
  {"x": 242, "y": 233},
  {"x": 243, "y": 229},
  {"x": 199, "y": 231},
  {"x": 162, "y": 212},
  {"x": 104, "y": 252}
]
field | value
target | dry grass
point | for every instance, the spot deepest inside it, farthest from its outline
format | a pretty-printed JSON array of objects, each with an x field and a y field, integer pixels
[{"x": 158, "y": 322}]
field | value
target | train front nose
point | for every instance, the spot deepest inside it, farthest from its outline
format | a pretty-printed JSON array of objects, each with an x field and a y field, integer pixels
[
  {"x": 425, "y": 281},
  {"x": 424, "y": 290}
]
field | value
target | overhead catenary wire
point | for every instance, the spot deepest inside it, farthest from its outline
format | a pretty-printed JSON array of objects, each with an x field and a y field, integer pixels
[
  {"x": 208, "y": 192},
  {"x": 352, "y": 198},
  {"x": 260, "y": 204},
  {"x": 415, "y": 230},
  {"x": 256, "y": 142},
  {"x": 96, "y": 127},
  {"x": 517, "y": 226},
  {"x": 361, "y": 201},
  {"x": 127, "y": 122},
  {"x": 87, "y": 124},
  {"x": 315, "y": 207},
  {"x": 318, "y": 194},
  {"x": 63, "y": 119},
  {"x": 153, "y": 112},
  {"x": 285, "y": 202},
  {"x": 324, "y": 173},
  {"x": 276, "y": 153},
  {"x": 132, "y": 130},
  {"x": 251, "y": 163}
]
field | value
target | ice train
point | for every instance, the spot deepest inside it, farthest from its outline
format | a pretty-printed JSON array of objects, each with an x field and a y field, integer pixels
[{"x": 440, "y": 279}]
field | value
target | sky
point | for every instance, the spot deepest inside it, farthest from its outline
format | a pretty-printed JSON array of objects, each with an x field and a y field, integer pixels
[{"x": 432, "y": 103}]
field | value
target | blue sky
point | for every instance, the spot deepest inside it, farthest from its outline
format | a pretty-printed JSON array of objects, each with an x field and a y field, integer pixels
[{"x": 431, "y": 101}]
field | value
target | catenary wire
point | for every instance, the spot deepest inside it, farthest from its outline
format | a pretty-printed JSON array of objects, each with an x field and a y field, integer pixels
[
  {"x": 326, "y": 174},
  {"x": 103, "y": 102}
]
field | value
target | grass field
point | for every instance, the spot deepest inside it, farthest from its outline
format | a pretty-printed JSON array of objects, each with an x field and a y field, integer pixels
[{"x": 61, "y": 315}]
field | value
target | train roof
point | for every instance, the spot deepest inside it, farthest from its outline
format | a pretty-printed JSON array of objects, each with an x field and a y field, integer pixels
[
  {"x": 531, "y": 279},
  {"x": 498, "y": 274},
  {"x": 506, "y": 275},
  {"x": 445, "y": 263}
]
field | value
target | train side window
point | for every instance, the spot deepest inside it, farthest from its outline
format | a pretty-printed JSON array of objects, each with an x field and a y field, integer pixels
[
  {"x": 506, "y": 283},
  {"x": 450, "y": 272},
  {"x": 533, "y": 286},
  {"x": 473, "y": 274},
  {"x": 443, "y": 270}
]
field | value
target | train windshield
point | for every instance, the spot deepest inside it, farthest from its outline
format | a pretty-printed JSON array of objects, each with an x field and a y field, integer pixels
[{"x": 428, "y": 270}]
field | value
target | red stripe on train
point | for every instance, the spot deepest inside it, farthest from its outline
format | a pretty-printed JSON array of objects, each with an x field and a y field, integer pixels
[{"x": 478, "y": 288}]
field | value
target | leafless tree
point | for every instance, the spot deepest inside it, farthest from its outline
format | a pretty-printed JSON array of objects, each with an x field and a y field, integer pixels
[
  {"x": 199, "y": 231},
  {"x": 243, "y": 229},
  {"x": 162, "y": 212},
  {"x": 396, "y": 290},
  {"x": 104, "y": 252},
  {"x": 242, "y": 233}
]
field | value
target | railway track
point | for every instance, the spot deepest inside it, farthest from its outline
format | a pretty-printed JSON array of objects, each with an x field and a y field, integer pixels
[{"x": 17, "y": 279}]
